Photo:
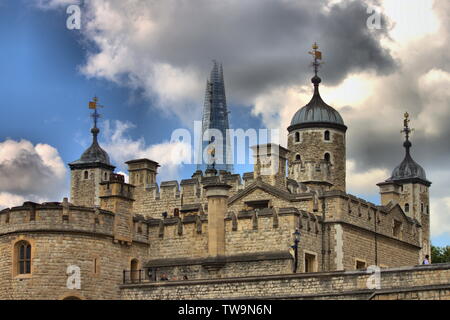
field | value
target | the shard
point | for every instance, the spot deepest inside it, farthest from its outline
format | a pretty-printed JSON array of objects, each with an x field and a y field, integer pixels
[{"x": 215, "y": 141}]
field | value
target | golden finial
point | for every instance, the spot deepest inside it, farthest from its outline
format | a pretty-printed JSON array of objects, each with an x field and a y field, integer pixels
[
  {"x": 406, "y": 129},
  {"x": 94, "y": 105},
  {"x": 317, "y": 56}
]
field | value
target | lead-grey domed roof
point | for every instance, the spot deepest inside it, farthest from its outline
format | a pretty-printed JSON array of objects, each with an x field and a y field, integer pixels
[
  {"x": 408, "y": 168},
  {"x": 317, "y": 112},
  {"x": 94, "y": 155}
]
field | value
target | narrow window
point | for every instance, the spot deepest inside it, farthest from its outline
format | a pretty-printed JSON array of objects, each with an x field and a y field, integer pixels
[
  {"x": 406, "y": 207},
  {"x": 86, "y": 175},
  {"x": 327, "y": 135},
  {"x": 397, "y": 228},
  {"x": 327, "y": 157},
  {"x": 96, "y": 266},
  {"x": 134, "y": 270},
  {"x": 23, "y": 252},
  {"x": 298, "y": 158},
  {"x": 421, "y": 207},
  {"x": 297, "y": 137},
  {"x": 106, "y": 176}
]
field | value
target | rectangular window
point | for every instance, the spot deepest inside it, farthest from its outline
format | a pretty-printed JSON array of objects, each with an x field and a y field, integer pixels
[
  {"x": 310, "y": 262},
  {"x": 360, "y": 265},
  {"x": 259, "y": 204}
]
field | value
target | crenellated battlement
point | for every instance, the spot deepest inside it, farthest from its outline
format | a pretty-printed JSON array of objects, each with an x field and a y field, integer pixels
[
  {"x": 56, "y": 217},
  {"x": 187, "y": 195},
  {"x": 312, "y": 172},
  {"x": 389, "y": 221}
]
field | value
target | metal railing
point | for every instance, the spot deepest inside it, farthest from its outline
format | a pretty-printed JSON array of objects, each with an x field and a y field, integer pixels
[{"x": 135, "y": 276}]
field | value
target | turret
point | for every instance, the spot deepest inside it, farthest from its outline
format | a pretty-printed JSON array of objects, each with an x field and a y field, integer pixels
[
  {"x": 270, "y": 163},
  {"x": 316, "y": 140},
  {"x": 90, "y": 170},
  {"x": 142, "y": 172},
  {"x": 408, "y": 187}
]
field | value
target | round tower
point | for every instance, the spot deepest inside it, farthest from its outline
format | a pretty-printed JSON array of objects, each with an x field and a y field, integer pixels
[{"x": 316, "y": 140}]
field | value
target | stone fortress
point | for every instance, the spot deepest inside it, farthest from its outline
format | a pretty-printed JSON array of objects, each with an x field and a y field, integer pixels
[{"x": 287, "y": 230}]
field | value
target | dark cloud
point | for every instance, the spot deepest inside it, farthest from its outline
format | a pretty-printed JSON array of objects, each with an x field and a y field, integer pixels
[{"x": 263, "y": 44}]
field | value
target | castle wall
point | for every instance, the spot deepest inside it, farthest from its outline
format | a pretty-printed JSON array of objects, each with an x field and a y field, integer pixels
[
  {"x": 418, "y": 282},
  {"x": 361, "y": 231},
  {"x": 60, "y": 237},
  {"x": 251, "y": 240}
]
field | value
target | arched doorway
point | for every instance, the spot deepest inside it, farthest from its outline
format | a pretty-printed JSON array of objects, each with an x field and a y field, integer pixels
[{"x": 134, "y": 270}]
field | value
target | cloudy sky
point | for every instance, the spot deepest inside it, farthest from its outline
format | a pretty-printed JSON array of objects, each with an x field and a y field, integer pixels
[{"x": 148, "y": 61}]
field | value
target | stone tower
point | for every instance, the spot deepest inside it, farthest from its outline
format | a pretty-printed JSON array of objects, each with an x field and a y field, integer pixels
[
  {"x": 409, "y": 188},
  {"x": 215, "y": 151},
  {"x": 270, "y": 164},
  {"x": 90, "y": 170},
  {"x": 316, "y": 140}
]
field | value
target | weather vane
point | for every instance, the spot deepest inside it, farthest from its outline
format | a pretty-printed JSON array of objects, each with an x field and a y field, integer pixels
[
  {"x": 406, "y": 129},
  {"x": 94, "y": 105},
  {"x": 317, "y": 56}
]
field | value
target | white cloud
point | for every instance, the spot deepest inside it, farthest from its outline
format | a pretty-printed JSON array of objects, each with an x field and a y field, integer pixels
[
  {"x": 436, "y": 98},
  {"x": 364, "y": 182},
  {"x": 121, "y": 148},
  {"x": 440, "y": 216},
  {"x": 31, "y": 172},
  {"x": 413, "y": 19}
]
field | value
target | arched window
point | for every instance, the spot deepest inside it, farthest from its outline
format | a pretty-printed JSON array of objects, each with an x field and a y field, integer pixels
[
  {"x": 326, "y": 135},
  {"x": 406, "y": 207},
  {"x": 298, "y": 157},
  {"x": 23, "y": 254},
  {"x": 327, "y": 157},
  {"x": 86, "y": 175},
  {"x": 106, "y": 176},
  {"x": 297, "y": 137}
]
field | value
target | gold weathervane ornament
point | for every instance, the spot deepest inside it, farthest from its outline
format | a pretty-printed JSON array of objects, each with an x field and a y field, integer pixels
[
  {"x": 406, "y": 129},
  {"x": 317, "y": 55},
  {"x": 94, "y": 105}
]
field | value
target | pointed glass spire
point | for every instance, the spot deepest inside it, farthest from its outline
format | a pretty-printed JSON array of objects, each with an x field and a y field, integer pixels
[{"x": 216, "y": 150}]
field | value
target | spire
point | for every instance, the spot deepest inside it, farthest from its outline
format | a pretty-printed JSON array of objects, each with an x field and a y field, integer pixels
[
  {"x": 317, "y": 113},
  {"x": 407, "y": 130},
  {"x": 408, "y": 169},
  {"x": 95, "y": 116},
  {"x": 317, "y": 55},
  {"x": 215, "y": 116},
  {"x": 94, "y": 154}
]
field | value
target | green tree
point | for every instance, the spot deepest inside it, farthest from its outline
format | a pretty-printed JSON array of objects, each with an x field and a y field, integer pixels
[{"x": 440, "y": 254}]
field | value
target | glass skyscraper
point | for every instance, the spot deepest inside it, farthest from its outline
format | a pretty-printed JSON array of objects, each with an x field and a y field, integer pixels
[{"x": 215, "y": 141}]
